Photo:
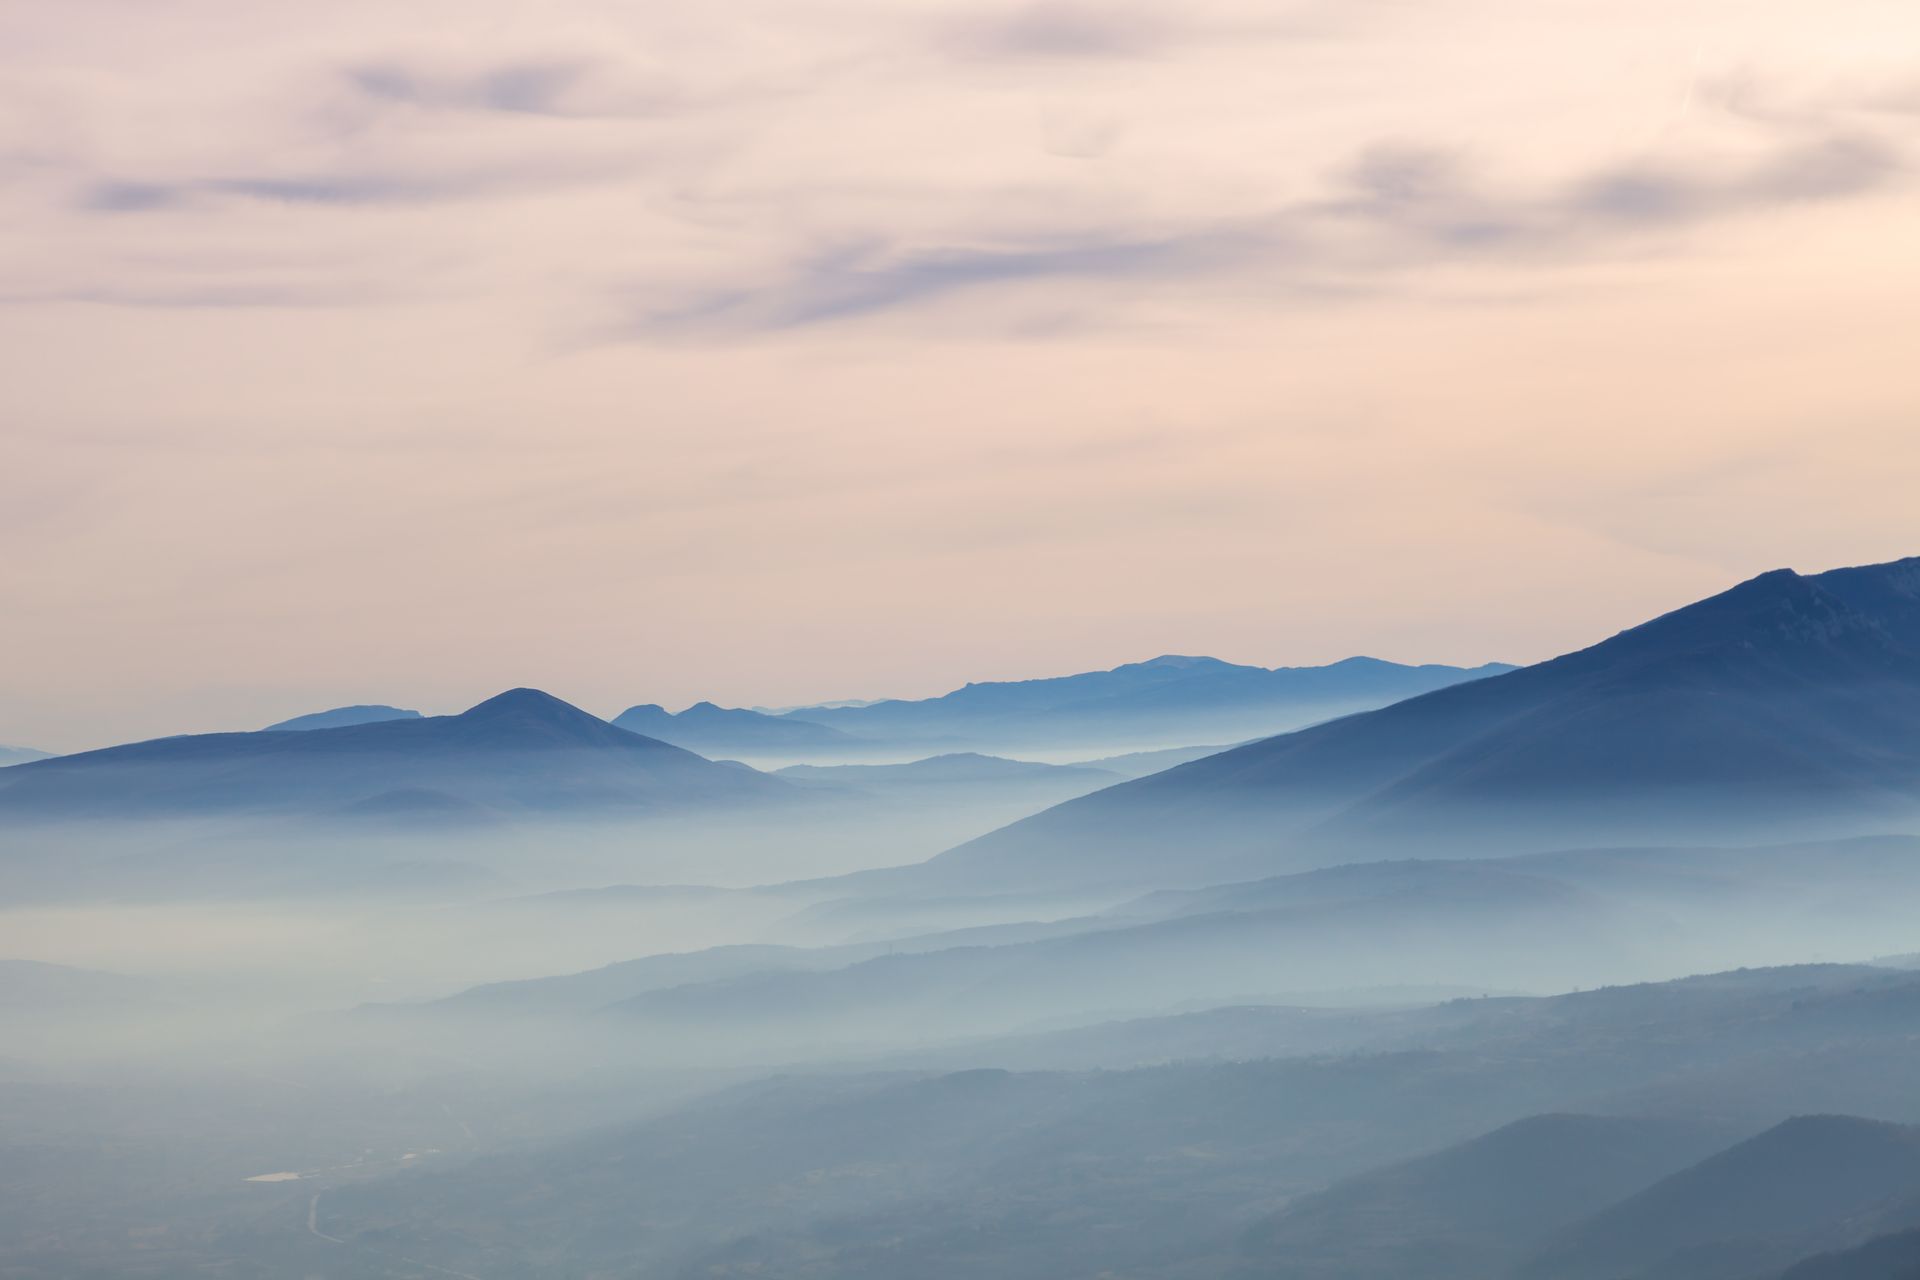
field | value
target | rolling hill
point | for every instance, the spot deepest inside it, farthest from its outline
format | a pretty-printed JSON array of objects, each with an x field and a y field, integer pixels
[
  {"x": 1536, "y": 921},
  {"x": 1158, "y": 1171}
]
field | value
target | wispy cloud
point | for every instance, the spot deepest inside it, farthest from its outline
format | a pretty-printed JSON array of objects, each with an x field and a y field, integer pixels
[
  {"x": 1831, "y": 168},
  {"x": 428, "y": 181},
  {"x": 562, "y": 87},
  {"x": 852, "y": 281},
  {"x": 322, "y": 263},
  {"x": 1064, "y": 29},
  {"x": 1396, "y": 207}
]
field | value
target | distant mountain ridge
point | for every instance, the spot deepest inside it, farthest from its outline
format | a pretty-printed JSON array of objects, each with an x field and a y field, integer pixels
[
  {"x": 522, "y": 750},
  {"x": 1172, "y": 697},
  {"x": 21, "y": 755},
  {"x": 340, "y": 717},
  {"x": 713, "y": 730},
  {"x": 1784, "y": 705}
]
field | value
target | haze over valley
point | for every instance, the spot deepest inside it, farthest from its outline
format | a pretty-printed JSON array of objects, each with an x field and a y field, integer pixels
[
  {"x": 959, "y": 640},
  {"x": 529, "y": 993}
]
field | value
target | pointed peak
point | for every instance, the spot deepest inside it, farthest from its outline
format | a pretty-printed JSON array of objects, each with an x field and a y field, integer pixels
[
  {"x": 524, "y": 703},
  {"x": 526, "y": 717},
  {"x": 1771, "y": 579}
]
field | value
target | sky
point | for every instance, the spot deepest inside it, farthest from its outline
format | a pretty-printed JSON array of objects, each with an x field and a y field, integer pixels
[{"x": 775, "y": 352}]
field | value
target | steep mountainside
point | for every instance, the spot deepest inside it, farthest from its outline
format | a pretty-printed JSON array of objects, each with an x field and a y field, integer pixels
[{"x": 1786, "y": 704}]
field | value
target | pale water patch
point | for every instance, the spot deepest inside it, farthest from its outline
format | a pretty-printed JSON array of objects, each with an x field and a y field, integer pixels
[{"x": 275, "y": 1177}]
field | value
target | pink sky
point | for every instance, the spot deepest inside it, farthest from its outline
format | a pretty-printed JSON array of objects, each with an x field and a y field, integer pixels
[{"x": 772, "y": 352}]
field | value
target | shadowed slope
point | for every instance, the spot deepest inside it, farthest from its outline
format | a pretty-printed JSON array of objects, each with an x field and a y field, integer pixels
[
  {"x": 1889, "y": 1257},
  {"x": 1805, "y": 1185},
  {"x": 1471, "y": 1210}
]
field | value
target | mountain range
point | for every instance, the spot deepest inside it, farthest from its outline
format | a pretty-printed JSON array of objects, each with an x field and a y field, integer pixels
[
  {"x": 712, "y": 730},
  {"x": 1169, "y": 700},
  {"x": 1165, "y": 701},
  {"x": 1782, "y": 706},
  {"x": 521, "y": 751}
]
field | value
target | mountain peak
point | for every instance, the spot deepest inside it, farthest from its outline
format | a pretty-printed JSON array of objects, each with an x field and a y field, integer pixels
[
  {"x": 520, "y": 702},
  {"x": 1181, "y": 661},
  {"x": 534, "y": 713},
  {"x": 1779, "y": 610}
]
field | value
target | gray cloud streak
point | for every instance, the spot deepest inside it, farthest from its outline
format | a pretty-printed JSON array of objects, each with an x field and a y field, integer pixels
[
  {"x": 849, "y": 282},
  {"x": 562, "y": 88},
  {"x": 1411, "y": 206},
  {"x": 1064, "y": 29},
  {"x": 348, "y": 185}
]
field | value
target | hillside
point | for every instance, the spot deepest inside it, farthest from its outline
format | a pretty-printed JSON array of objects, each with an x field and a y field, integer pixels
[
  {"x": 1888, "y": 1257},
  {"x": 1811, "y": 1183},
  {"x": 1472, "y": 1210}
]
